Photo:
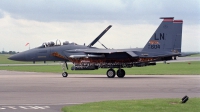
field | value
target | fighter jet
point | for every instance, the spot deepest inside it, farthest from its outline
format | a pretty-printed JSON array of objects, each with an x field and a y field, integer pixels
[{"x": 164, "y": 44}]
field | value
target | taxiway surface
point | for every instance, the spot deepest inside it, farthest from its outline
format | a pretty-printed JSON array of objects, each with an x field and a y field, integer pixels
[{"x": 47, "y": 92}]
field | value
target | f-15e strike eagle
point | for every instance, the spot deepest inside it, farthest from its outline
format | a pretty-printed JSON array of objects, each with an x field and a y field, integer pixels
[{"x": 164, "y": 44}]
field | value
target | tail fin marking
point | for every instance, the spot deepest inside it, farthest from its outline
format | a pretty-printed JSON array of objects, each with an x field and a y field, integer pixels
[{"x": 162, "y": 38}]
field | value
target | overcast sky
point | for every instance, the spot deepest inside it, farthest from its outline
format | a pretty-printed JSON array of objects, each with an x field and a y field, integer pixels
[{"x": 133, "y": 21}]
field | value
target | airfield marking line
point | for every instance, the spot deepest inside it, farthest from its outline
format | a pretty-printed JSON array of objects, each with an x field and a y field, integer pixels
[
  {"x": 24, "y": 107},
  {"x": 42, "y": 104}
]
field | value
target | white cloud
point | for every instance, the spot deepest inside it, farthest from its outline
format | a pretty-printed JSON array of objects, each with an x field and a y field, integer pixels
[
  {"x": 121, "y": 11},
  {"x": 15, "y": 33},
  {"x": 134, "y": 21},
  {"x": 191, "y": 37}
]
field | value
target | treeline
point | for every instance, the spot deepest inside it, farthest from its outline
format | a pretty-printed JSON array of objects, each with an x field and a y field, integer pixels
[{"x": 9, "y": 52}]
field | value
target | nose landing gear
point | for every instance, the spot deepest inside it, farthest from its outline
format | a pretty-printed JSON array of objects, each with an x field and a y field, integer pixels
[
  {"x": 64, "y": 66},
  {"x": 64, "y": 74}
]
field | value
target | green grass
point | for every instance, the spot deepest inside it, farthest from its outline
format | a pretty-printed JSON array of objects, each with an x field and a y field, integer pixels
[
  {"x": 153, "y": 105},
  {"x": 195, "y": 55},
  {"x": 175, "y": 68},
  {"x": 178, "y": 68},
  {"x": 4, "y": 60}
]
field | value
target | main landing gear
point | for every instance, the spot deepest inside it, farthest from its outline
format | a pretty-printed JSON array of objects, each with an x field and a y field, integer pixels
[{"x": 111, "y": 73}]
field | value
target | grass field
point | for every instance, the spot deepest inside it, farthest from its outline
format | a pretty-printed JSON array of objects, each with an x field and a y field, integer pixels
[
  {"x": 154, "y": 105},
  {"x": 196, "y": 55},
  {"x": 4, "y": 60},
  {"x": 178, "y": 68}
]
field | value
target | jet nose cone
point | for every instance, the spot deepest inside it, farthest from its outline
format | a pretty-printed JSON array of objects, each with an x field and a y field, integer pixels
[
  {"x": 18, "y": 57},
  {"x": 13, "y": 57}
]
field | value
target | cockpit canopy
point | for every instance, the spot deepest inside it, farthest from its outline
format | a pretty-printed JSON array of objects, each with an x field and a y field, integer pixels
[{"x": 57, "y": 42}]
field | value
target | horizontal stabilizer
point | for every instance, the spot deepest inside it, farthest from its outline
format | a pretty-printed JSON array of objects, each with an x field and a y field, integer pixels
[
  {"x": 184, "y": 54},
  {"x": 132, "y": 54}
]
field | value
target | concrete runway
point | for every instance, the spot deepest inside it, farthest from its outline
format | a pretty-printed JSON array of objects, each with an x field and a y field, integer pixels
[{"x": 47, "y": 92}]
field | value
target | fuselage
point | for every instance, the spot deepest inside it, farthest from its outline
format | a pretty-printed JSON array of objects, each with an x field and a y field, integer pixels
[{"x": 46, "y": 53}]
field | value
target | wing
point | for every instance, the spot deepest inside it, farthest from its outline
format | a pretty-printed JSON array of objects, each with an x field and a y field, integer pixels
[
  {"x": 111, "y": 51},
  {"x": 99, "y": 52}
]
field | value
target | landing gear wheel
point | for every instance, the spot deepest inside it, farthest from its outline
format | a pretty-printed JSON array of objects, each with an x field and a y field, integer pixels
[
  {"x": 121, "y": 73},
  {"x": 64, "y": 74},
  {"x": 174, "y": 57},
  {"x": 111, "y": 73}
]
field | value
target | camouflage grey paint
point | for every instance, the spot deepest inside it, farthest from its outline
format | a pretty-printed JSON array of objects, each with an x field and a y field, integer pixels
[
  {"x": 161, "y": 40},
  {"x": 161, "y": 44},
  {"x": 177, "y": 34}
]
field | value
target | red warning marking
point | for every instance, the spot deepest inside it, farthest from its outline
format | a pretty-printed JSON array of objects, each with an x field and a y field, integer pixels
[
  {"x": 152, "y": 42},
  {"x": 178, "y": 21}
]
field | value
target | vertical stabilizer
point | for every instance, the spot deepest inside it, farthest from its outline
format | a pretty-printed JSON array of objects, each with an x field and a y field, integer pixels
[
  {"x": 162, "y": 38},
  {"x": 178, "y": 24}
]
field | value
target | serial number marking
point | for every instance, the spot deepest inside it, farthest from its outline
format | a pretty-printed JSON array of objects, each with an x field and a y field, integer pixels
[{"x": 154, "y": 47}]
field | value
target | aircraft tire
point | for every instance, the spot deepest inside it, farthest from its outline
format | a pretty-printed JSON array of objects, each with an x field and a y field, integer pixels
[
  {"x": 64, "y": 74},
  {"x": 121, "y": 73},
  {"x": 174, "y": 57},
  {"x": 111, "y": 73}
]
